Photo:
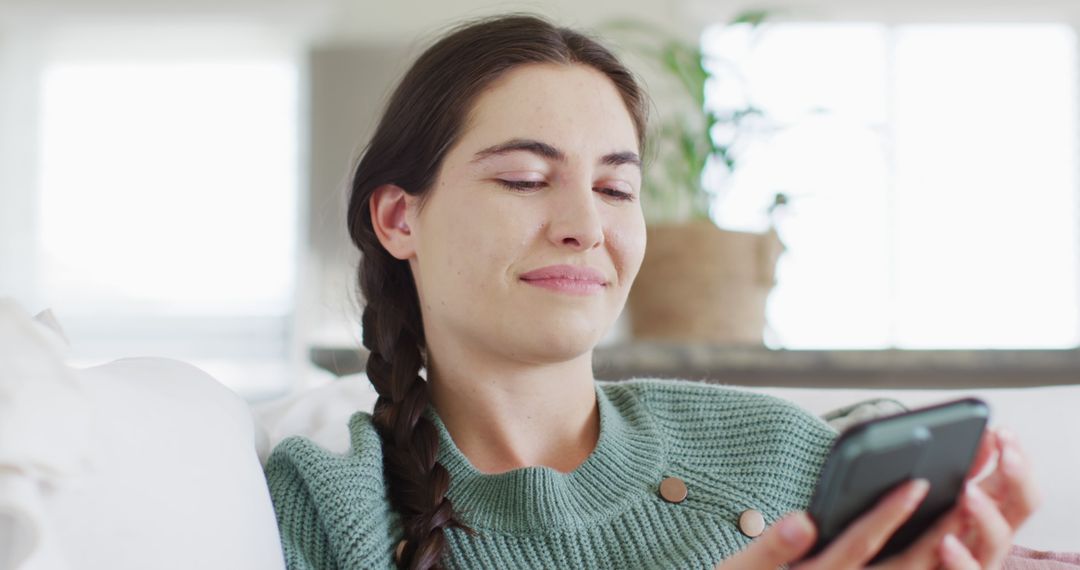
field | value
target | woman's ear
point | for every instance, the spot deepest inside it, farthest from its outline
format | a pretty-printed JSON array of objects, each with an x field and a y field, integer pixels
[{"x": 389, "y": 206}]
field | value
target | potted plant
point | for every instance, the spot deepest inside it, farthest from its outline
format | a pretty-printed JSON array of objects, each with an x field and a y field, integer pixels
[{"x": 698, "y": 281}]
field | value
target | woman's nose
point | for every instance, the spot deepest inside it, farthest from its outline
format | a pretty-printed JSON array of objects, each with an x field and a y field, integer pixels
[{"x": 575, "y": 218}]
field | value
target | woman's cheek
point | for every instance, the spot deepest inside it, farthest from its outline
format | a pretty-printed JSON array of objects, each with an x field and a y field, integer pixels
[{"x": 627, "y": 244}]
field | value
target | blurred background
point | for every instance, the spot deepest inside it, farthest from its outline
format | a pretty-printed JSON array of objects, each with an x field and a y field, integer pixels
[{"x": 173, "y": 175}]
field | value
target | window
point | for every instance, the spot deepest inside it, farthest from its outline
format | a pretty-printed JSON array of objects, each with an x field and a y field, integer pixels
[
  {"x": 932, "y": 170},
  {"x": 168, "y": 206}
]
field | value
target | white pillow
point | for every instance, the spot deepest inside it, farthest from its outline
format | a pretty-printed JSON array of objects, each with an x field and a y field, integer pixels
[
  {"x": 171, "y": 481},
  {"x": 321, "y": 414}
]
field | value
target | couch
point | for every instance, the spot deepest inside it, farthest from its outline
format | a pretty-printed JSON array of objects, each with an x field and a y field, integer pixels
[{"x": 152, "y": 463}]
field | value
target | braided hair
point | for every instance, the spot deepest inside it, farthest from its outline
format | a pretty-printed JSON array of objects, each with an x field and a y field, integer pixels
[{"x": 422, "y": 121}]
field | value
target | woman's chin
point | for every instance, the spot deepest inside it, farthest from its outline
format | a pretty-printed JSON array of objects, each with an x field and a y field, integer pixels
[{"x": 563, "y": 344}]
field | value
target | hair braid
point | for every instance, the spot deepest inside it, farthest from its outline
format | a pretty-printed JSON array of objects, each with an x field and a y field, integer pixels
[{"x": 391, "y": 327}]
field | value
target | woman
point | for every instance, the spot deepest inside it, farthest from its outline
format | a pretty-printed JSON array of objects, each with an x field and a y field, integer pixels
[{"x": 497, "y": 210}]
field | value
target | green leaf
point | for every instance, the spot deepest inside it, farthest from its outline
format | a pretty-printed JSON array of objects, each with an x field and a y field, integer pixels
[
  {"x": 648, "y": 29},
  {"x": 752, "y": 17},
  {"x": 740, "y": 114},
  {"x": 725, "y": 155},
  {"x": 685, "y": 63},
  {"x": 673, "y": 187}
]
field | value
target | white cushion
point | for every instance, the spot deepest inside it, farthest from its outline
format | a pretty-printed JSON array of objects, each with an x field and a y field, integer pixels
[
  {"x": 321, "y": 414},
  {"x": 44, "y": 435},
  {"x": 171, "y": 481}
]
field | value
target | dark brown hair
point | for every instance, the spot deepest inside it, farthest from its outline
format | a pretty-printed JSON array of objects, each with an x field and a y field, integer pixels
[{"x": 422, "y": 121}]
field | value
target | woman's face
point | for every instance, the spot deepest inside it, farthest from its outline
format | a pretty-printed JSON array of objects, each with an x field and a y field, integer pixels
[{"x": 563, "y": 136}]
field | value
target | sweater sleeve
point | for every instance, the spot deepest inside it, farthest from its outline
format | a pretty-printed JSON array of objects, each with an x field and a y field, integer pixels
[{"x": 304, "y": 540}]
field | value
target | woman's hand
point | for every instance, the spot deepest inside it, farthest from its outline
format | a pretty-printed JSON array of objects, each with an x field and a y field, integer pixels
[
  {"x": 1007, "y": 495},
  {"x": 977, "y": 533}
]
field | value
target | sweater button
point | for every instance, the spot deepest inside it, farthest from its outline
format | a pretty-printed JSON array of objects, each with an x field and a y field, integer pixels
[
  {"x": 751, "y": 523},
  {"x": 399, "y": 550},
  {"x": 673, "y": 490}
]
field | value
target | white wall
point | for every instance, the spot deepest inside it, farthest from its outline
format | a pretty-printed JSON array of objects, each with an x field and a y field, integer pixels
[
  {"x": 18, "y": 157},
  {"x": 348, "y": 86}
]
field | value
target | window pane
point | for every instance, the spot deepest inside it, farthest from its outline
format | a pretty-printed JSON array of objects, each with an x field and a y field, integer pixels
[
  {"x": 934, "y": 200},
  {"x": 833, "y": 279},
  {"x": 985, "y": 130},
  {"x": 169, "y": 188}
]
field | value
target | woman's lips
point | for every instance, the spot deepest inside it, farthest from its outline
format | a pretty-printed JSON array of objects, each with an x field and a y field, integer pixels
[
  {"x": 571, "y": 286},
  {"x": 570, "y": 279}
]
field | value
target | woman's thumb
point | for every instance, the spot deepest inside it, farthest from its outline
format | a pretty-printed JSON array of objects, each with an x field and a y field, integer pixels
[{"x": 783, "y": 542}]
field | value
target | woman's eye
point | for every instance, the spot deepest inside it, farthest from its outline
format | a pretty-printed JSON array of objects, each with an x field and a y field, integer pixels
[
  {"x": 525, "y": 185},
  {"x": 617, "y": 194},
  {"x": 522, "y": 184}
]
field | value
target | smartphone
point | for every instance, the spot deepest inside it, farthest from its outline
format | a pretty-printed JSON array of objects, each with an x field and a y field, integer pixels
[{"x": 937, "y": 443}]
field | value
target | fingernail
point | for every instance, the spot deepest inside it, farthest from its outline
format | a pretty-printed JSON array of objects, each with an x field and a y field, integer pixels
[
  {"x": 975, "y": 494},
  {"x": 1006, "y": 435},
  {"x": 1010, "y": 460},
  {"x": 952, "y": 543},
  {"x": 917, "y": 492},
  {"x": 796, "y": 529}
]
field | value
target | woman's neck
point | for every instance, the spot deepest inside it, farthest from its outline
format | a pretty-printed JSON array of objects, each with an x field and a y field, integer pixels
[{"x": 511, "y": 417}]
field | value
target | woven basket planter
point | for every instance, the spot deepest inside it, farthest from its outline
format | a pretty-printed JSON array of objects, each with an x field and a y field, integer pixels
[{"x": 701, "y": 283}]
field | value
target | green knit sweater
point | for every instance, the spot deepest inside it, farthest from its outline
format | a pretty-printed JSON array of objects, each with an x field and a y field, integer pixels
[{"x": 735, "y": 450}]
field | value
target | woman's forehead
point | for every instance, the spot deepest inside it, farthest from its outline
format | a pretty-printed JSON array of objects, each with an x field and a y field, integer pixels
[
  {"x": 551, "y": 153},
  {"x": 574, "y": 108}
]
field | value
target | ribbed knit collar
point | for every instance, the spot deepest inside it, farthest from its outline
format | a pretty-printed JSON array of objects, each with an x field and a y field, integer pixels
[{"x": 625, "y": 466}]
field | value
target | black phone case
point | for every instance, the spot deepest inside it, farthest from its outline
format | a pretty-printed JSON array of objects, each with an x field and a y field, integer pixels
[{"x": 869, "y": 459}]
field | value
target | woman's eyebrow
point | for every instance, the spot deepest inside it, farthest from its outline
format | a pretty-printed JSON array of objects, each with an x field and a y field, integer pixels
[
  {"x": 547, "y": 151},
  {"x": 617, "y": 158},
  {"x": 534, "y": 146}
]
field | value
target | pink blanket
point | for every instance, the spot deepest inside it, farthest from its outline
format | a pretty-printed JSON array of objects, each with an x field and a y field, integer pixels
[{"x": 1021, "y": 558}]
